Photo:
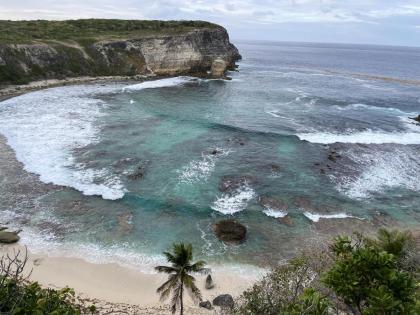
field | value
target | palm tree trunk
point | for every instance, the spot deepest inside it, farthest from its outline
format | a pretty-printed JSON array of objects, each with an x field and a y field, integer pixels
[{"x": 181, "y": 298}]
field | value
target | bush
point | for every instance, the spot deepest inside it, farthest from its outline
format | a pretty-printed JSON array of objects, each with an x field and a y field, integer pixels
[
  {"x": 21, "y": 297},
  {"x": 358, "y": 275}
]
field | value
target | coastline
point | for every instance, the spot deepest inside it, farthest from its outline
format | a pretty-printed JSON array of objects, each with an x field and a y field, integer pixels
[
  {"x": 113, "y": 286},
  {"x": 10, "y": 91}
]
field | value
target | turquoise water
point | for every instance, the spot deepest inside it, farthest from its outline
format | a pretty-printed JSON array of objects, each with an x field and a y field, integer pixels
[{"x": 142, "y": 165}]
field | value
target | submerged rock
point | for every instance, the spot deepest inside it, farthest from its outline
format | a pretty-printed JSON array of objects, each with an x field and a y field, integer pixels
[
  {"x": 209, "y": 283},
  {"x": 8, "y": 237},
  {"x": 230, "y": 183},
  {"x": 286, "y": 220},
  {"x": 230, "y": 231},
  {"x": 139, "y": 172},
  {"x": 273, "y": 203},
  {"x": 224, "y": 301},
  {"x": 205, "y": 304}
]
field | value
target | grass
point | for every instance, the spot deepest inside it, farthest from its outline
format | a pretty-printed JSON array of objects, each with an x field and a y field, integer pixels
[{"x": 38, "y": 30}]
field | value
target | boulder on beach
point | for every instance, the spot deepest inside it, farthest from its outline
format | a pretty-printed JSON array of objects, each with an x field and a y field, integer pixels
[
  {"x": 209, "y": 283},
  {"x": 8, "y": 237},
  {"x": 230, "y": 231},
  {"x": 224, "y": 301},
  {"x": 205, "y": 304}
]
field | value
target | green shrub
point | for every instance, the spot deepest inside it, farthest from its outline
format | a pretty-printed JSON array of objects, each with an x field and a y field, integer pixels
[
  {"x": 360, "y": 275},
  {"x": 19, "y": 296}
]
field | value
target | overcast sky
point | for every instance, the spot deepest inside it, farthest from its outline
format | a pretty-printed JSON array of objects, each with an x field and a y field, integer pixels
[{"x": 393, "y": 22}]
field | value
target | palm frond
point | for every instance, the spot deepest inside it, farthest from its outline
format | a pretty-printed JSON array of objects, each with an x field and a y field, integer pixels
[
  {"x": 194, "y": 292},
  {"x": 165, "y": 289},
  {"x": 166, "y": 269},
  {"x": 199, "y": 267}
]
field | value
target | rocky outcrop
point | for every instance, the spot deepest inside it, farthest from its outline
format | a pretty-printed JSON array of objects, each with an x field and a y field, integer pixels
[
  {"x": 192, "y": 52},
  {"x": 218, "y": 68}
]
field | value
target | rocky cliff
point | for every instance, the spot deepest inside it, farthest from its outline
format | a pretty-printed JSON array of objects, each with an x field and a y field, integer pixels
[{"x": 190, "y": 51}]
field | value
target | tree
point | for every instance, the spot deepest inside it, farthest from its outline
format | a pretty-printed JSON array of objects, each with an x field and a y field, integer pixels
[
  {"x": 180, "y": 278},
  {"x": 367, "y": 277}
]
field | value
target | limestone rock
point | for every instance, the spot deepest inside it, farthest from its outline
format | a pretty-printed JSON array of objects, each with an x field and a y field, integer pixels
[
  {"x": 192, "y": 52},
  {"x": 230, "y": 231},
  {"x": 218, "y": 68}
]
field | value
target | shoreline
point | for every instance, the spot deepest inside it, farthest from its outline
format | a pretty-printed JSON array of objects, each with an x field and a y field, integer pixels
[
  {"x": 16, "y": 90},
  {"x": 111, "y": 285}
]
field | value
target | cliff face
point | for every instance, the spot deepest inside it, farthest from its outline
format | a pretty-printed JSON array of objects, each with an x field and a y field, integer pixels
[{"x": 192, "y": 52}]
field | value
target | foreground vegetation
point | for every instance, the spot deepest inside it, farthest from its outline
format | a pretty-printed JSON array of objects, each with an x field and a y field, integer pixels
[
  {"x": 358, "y": 275},
  {"x": 28, "y": 31},
  {"x": 21, "y": 297}
]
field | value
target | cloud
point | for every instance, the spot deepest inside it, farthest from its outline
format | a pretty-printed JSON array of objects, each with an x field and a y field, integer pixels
[{"x": 236, "y": 15}]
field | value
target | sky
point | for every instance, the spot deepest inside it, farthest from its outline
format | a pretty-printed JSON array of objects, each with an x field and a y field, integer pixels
[{"x": 387, "y": 22}]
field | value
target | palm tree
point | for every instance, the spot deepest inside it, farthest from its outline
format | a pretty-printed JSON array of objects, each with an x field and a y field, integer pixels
[{"x": 179, "y": 278}]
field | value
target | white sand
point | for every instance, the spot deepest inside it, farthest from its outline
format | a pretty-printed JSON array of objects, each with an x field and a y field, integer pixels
[{"x": 115, "y": 284}]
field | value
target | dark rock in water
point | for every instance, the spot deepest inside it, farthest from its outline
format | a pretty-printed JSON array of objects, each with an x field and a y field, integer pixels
[
  {"x": 224, "y": 301},
  {"x": 230, "y": 183},
  {"x": 416, "y": 118},
  {"x": 209, "y": 283},
  {"x": 286, "y": 220},
  {"x": 205, "y": 304},
  {"x": 139, "y": 172},
  {"x": 125, "y": 162},
  {"x": 275, "y": 168},
  {"x": 215, "y": 152},
  {"x": 322, "y": 171},
  {"x": 333, "y": 156},
  {"x": 8, "y": 237},
  {"x": 230, "y": 231}
]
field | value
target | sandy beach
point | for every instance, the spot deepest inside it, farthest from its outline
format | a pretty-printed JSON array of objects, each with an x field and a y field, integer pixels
[{"x": 120, "y": 290}]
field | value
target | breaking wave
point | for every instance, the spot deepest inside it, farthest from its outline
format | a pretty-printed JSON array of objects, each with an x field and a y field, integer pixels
[
  {"x": 44, "y": 127},
  {"x": 169, "y": 82},
  {"x": 315, "y": 217},
  {"x": 235, "y": 201},
  {"x": 365, "y": 137}
]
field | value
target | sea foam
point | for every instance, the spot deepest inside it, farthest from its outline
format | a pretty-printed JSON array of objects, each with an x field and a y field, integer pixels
[
  {"x": 381, "y": 170},
  {"x": 365, "y": 137},
  {"x": 168, "y": 82},
  {"x": 44, "y": 128},
  {"x": 275, "y": 213},
  {"x": 315, "y": 217},
  {"x": 236, "y": 201}
]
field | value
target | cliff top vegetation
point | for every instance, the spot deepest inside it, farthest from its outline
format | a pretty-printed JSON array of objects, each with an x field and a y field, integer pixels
[{"x": 38, "y": 30}]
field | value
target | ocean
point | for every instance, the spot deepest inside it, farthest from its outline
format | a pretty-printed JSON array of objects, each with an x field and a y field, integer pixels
[{"x": 305, "y": 142}]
